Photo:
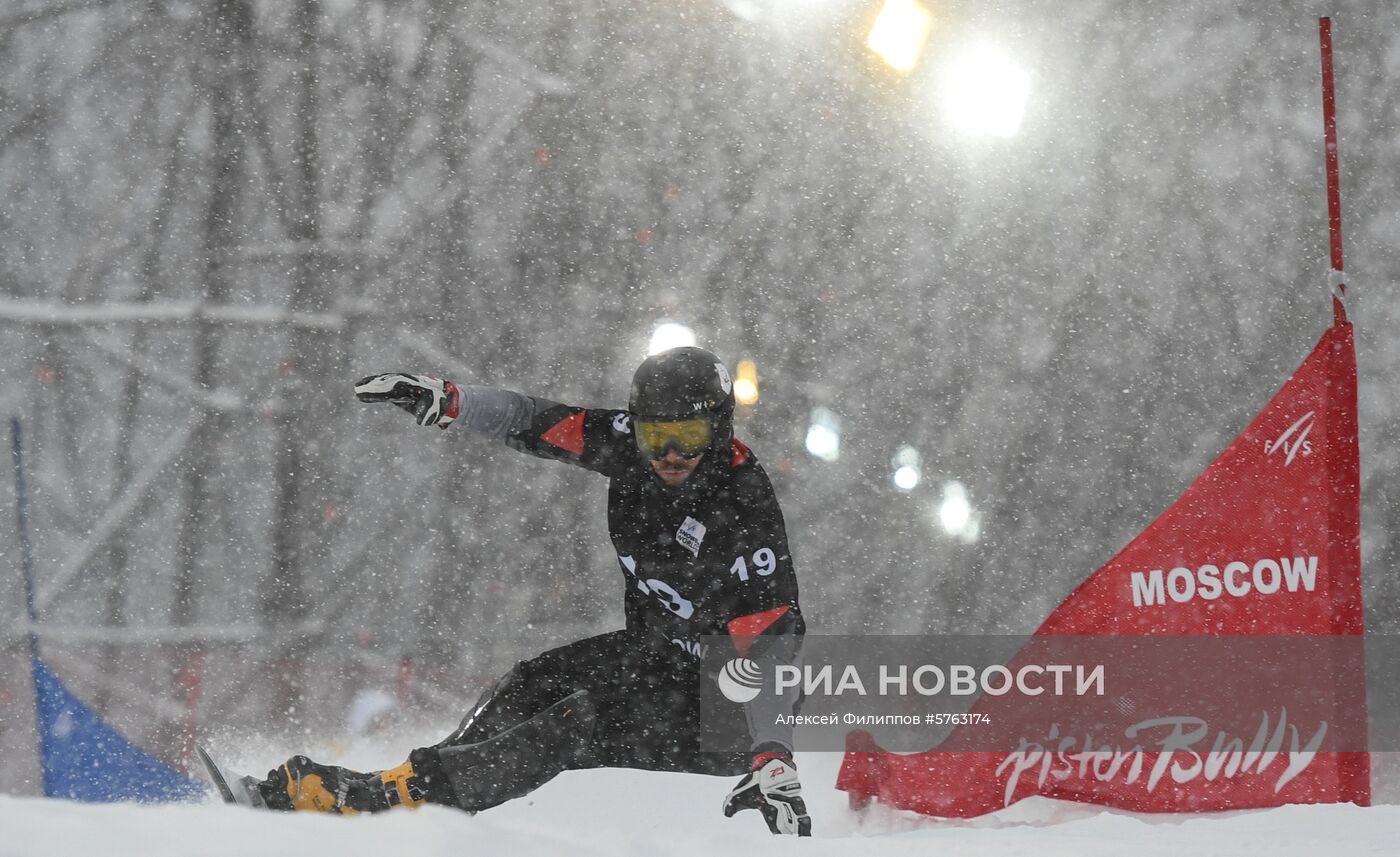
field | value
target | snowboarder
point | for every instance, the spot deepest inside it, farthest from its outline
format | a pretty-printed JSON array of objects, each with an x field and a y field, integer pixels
[{"x": 702, "y": 547}]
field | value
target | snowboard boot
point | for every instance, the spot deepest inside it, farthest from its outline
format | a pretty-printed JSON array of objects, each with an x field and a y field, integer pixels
[{"x": 303, "y": 785}]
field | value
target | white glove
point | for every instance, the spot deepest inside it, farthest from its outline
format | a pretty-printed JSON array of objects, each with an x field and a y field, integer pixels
[
  {"x": 432, "y": 401},
  {"x": 772, "y": 788}
]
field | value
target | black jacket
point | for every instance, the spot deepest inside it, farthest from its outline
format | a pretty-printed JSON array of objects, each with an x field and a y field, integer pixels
[{"x": 707, "y": 557}]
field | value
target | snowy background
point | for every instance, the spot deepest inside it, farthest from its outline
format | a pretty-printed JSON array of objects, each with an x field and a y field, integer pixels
[{"x": 1070, "y": 322}]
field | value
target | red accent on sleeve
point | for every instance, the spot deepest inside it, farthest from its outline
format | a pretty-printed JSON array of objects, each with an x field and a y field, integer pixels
[
  {"x": 746, "y": 629},
  {"x": 738, "y": 452},
  {"x": 567, "y": 434},
  {"x": 454, "y": 400}
]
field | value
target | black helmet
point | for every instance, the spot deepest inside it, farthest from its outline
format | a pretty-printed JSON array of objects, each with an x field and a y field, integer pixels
[{"x": 685, "y": 382}]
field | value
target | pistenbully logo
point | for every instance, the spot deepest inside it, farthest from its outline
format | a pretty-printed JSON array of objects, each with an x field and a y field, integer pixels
[
  {"x": 1294, "y": 440},
  {"x": 740, "y": 680}
]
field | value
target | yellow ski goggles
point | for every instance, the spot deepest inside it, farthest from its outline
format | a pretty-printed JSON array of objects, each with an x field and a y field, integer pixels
[{"x": 687, "y": 437}]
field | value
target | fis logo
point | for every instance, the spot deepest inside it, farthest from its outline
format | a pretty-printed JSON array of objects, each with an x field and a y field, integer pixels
[
  {"x": 725, "y": 383},
  {"x": 1294, "y": 440},
  {"x": 691, "y": 534}
]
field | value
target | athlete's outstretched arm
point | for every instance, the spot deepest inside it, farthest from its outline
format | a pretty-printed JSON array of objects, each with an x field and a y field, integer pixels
[{"x": 599, "y": 440}]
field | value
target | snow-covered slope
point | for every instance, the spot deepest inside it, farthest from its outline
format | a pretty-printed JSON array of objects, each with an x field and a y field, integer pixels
[{"x": 625, "y": 813}]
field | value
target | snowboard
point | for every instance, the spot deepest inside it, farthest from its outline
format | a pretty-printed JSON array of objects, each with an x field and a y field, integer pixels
[{"x": 232, "y": 787}]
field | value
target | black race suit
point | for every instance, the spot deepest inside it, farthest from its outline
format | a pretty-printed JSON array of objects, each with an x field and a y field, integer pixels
[{"x": 709, "y": 557}]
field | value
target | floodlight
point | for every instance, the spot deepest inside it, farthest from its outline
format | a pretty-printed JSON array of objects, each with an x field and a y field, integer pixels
[
  {"x": 984, "y": 91},
  {"x": 955, "y": 511},
  {"x": 907, "y": 473},
  {"x": 746, "y": 383},
  {"x": 900, "y": 32},
  {"x": 824, "y": 435},
  {"x": 670, "y": 334}
]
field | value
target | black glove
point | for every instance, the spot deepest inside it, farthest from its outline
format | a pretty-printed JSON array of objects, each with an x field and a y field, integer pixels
[
  {"x": 432, "y": 401},
  {"x": 772, "y": 788}
]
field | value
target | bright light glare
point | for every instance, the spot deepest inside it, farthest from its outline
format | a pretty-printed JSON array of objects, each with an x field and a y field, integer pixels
[
  {"x": 824, "y": 435},
  {"x": 956, "y": 515},
  {"x": 746, "y": 383},
  {"x": 745, "y": 9},
  {"x": 907, "y": 471},
  {"x": 745, "y": 391},
  {"x": 972, "y": 529},
  {"x": 823, "y": 443},
  {"x": 670, "y": 334},
  {"x": 900, "y": 33},
  {"x": 906, "y": 478},
  {"x": 985, "y": 92}
]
